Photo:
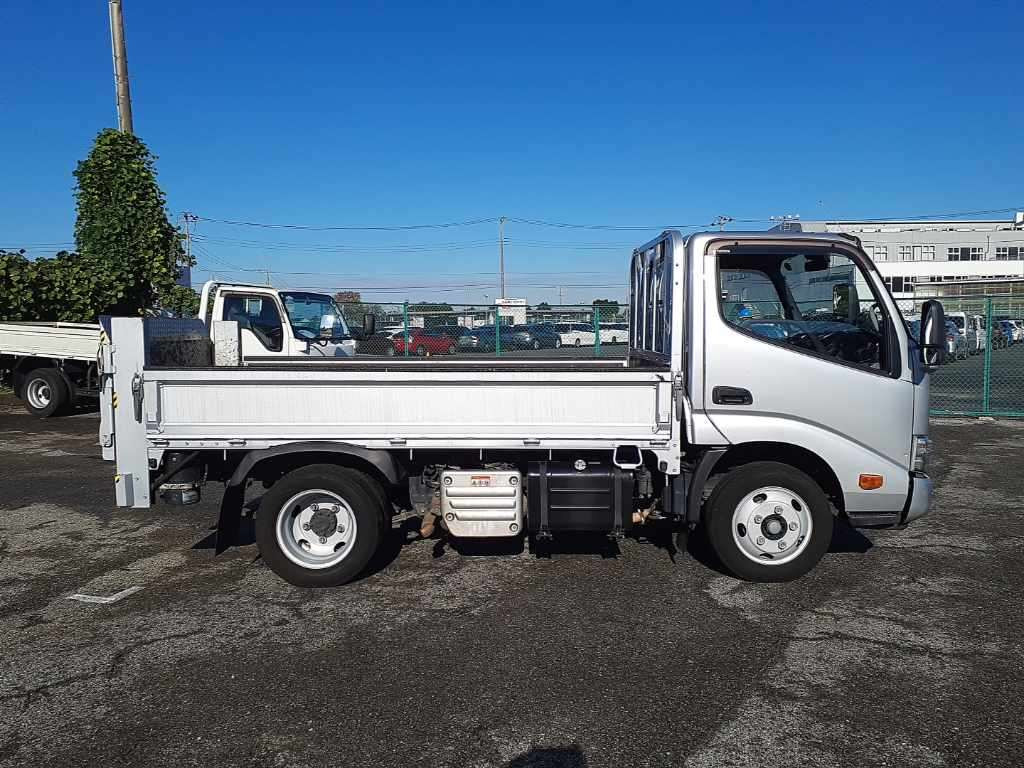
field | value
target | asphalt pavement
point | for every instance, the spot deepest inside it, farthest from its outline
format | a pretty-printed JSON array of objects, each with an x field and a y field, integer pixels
[{"x": 903, "y": 648}]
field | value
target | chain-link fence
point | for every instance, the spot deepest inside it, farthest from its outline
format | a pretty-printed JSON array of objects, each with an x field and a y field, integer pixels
[
  {"x": 510, "y": 329},
  {"x": 983, "y": 373}
]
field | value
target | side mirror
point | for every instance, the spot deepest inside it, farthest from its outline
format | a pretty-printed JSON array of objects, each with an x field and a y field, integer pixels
[
  {"x": 845, "y": 302},
  {"x": 369, "y": 325},
  {"x": 327, "y": 323},
  {"x": 933, "y": 334}
]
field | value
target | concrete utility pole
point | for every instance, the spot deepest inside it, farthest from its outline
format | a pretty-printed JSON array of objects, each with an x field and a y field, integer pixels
[
  {"x": 189, "y": 219},
  {"x": 124, "y": 96},
  {"x": 501, "y": 255}
]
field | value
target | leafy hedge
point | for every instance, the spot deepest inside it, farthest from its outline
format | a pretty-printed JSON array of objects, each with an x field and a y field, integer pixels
[{"x": 128, "y": 253}]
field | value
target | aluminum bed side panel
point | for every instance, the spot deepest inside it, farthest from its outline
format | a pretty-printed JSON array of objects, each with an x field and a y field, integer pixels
[
  {"x": 442, "y": 406},
  {"x": 76, "y": 341}
]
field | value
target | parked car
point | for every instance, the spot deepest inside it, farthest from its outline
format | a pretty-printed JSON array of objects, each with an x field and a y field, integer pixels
[
  {"x": 971, "y": 328},
  {"x": 513, "y": 337},
  {"x": 378, "y": 343},
  {"x": 478, "y": 340},
  {"x": 1019, "y": 332},
  {"x": 956, "y": 343},
  {"x": 1010, "y": 331},
  {"x": 614, "y": 333},
  {"x": 542, "y": 335},
  {"x": 999, "y": 339},
  {"x": 425, "y": 341},
  {"x": 576, "y": 334}
]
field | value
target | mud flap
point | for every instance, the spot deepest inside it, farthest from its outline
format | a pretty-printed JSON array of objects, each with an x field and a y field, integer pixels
[{"x": 230, "y": 519}]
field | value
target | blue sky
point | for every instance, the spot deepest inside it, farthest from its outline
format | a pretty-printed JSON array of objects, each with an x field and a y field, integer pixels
[{"x": 340, "y": 114}]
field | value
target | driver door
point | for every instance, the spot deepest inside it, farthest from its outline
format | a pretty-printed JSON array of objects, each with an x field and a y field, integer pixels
[
  {"x": 801, "y": 349},
  {"x": 259, "y": 323}
]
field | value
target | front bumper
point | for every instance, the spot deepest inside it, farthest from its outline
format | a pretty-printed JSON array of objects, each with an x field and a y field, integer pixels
[{"x": 919, "y": 499}]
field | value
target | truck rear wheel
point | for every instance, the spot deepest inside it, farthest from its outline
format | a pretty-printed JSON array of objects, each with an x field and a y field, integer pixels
[
  {"x": 44, "y": 392},
  {"x": 768, "y": 521},
  {"x": 318, "y": 526}
]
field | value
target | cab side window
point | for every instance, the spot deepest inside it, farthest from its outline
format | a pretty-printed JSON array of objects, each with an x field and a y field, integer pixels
[
  {"x": 260, "y": 315},
  {"x": 819, "y": 303}
]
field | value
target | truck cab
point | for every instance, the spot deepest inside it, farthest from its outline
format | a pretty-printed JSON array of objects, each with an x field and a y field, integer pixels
[{"x": 275, "y": 324}]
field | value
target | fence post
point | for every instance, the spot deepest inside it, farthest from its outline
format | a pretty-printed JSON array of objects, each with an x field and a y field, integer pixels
[
  {"x": 986, "y": 391},
  {"x": 497, "y": 331},
  {"x": 405, "y": 325},
  {"x": 597, "y": 330}
]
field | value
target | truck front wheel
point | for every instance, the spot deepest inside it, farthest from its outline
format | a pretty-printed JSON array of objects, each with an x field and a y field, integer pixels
[
  {"x": 44, "y": 392},
  {"x": 318, "y": 526},
  {"x": 768, "y": 521}
]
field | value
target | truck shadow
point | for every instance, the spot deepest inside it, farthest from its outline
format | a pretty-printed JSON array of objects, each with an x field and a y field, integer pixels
[
  {"x": 845, "y": 540},
  {"x": 550, "y": 757}
]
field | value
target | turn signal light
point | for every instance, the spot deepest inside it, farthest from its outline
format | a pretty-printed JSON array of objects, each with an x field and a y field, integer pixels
[{"x": 870, "y": 482}]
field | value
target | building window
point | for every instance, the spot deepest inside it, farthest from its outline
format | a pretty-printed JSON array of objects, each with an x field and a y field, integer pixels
[
  {"x": 1009, "y": 252},
  {"x": 965, "y": 254},
  {"x": 906, "y": 253},
  {"x": 897, "y": 284},
  {"x": 928, "y": 252},
  {"x": 881, "y": 253}
]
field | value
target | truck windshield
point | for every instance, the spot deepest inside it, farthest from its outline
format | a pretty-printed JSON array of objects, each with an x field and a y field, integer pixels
[{"x": 314, "y": 315}]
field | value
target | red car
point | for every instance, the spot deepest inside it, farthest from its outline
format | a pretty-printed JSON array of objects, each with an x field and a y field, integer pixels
[{"x": 424, "y": 341}]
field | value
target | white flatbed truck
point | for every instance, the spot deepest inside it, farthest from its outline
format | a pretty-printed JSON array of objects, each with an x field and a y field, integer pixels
[
  {"x": 770, "y": 384},
  {"x": 52, "y": 365}
]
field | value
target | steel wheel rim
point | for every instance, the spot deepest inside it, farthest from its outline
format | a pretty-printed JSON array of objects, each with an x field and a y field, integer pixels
[
  {"x": 772, "y": 525},
  {"x": 38, "y": 393},
  {"x": 302, "y": 530}
]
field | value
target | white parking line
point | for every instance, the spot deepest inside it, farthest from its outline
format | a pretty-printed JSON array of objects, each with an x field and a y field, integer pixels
[{"x": 104, "y": 600}]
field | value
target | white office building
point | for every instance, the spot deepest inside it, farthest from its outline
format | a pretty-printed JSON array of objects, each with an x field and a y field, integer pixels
[{"x": 988, "y": 254}]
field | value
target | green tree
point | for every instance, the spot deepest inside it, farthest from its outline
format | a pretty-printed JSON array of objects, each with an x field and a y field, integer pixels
[
  {"x": 129, "y": 254},
  {"x": 606, "y": 309},
  {"x": 354, "y": 308}
]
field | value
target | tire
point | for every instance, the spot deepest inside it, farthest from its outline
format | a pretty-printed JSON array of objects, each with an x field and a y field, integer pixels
[
  {"x": 451, "y": 349},
  {"x": 421, "y": 351},
  {"x": 578, "y": 342},
  {"x": 558, "y": 342},
  {"x": 733, "y": 507},
  {"x": 389, "y": 350},
  {"x": 536, "y": 344},
  {"x": 351, "y": 503},
  {"x": 44, "y": 392}
]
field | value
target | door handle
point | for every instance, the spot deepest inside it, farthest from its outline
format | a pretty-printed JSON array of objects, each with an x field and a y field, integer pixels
[{"x": 731, "y": 396}]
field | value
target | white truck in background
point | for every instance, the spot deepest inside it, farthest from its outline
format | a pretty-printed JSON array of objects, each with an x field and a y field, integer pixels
[{"x": 53, "y": 365}]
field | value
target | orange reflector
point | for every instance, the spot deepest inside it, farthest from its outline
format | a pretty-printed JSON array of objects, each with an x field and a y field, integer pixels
[{"x": 870, "y": 482}]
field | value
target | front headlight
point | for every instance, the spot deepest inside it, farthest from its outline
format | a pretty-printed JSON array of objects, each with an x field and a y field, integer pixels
[{"x": 919, "y": 458}]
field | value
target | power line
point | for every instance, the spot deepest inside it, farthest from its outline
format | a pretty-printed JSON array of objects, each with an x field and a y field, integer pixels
[
  {"x": 603, "y": 227},
  {"x": 392, "y": 228}
]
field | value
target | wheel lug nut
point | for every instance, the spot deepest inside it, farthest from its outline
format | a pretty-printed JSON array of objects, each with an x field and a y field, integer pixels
[
  {"x": 782, "y": 545},
  {"x": 757, "y": 518},
  {"x": 335, "y": 509},
  {"x": 305, "y": 526},
  {"x": 792, "y": 526},
  {"x": 760, "y": 539},
  {"x": 316, "y": 507},
  {"x": 779, "y": 510},
  {"x": 341, "y": 529},
  {"x": 323, "y": 540}
]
